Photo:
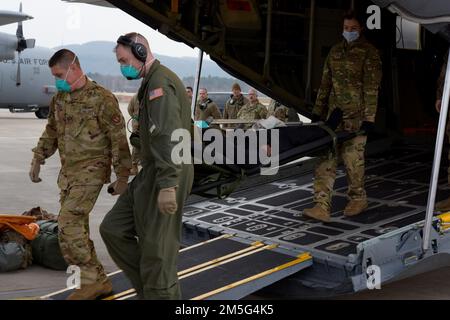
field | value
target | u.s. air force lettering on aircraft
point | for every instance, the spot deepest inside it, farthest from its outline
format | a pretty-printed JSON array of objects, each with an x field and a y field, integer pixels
[
  {"x": 31, "y": 61},
  {"x": 27, "y": 84}
]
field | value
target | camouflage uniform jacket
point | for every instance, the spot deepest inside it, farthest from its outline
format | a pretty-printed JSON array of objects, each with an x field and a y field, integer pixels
[
  {"x": 86, "y": 126},
  {"x": 133, "y": 111},
  {"x": 278, "y": 111},
  {"x": 254, "y": 111},
  {"x": 350, "y": 81},
  {"x": 233, "y": 106}
]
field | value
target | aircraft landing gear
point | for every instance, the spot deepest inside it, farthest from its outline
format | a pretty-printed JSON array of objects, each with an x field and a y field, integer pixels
[{"x": 42, "y": 113}]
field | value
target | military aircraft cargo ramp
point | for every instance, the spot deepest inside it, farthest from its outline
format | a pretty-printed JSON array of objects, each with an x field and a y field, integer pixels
[
  {"x": 221, "y": 268},
  {"x": 387, "y": 235},
  {"x": 257, "y": 240}
]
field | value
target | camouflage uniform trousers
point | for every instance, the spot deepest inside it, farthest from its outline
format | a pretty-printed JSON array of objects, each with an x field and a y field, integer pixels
[
  {"x": 135, "y": 153},
  {"x": 352, "y": 153},
  {"x": 73, "y": 223}
]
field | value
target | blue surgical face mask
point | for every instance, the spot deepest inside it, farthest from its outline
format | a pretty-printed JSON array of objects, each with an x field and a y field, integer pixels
[
  {"x": 129, "y": 72},
  {"x": 351, "y": 36},
  {"x": 62, "y": 85}
]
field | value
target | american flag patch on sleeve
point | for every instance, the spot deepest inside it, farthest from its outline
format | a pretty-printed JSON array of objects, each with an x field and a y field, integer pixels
[{"x": 155, "y": 93}]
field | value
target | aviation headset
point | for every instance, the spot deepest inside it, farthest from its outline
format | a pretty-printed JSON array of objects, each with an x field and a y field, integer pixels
[
  {"x": 138, "y": 49},
  {"x": 204, "y": 105}
]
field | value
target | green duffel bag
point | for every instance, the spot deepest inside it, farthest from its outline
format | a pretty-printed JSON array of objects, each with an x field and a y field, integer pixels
[
  {"x": 45, "y": 246},
  {"x": 12, "y": 256},
  {"x": 15, "y": 251}
]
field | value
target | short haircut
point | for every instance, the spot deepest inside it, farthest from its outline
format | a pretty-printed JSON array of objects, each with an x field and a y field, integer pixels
[
  {"x": 354, "y": 15},
  {"x": 203, "y": 89},
  {"x": 189, "y": 88},
  {"x": 251, "y": 90},
  {"x": 136, "y": 37},
  {"x": 63, "y": 58},
  {"x": 236, "y": 86}
]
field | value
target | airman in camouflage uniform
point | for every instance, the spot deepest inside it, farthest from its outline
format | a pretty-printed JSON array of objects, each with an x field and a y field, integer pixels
[
  {"x": 133, "y": 111},
  {"x": 206, "y": 108},
  {"x": 86, "y": 127},
  {"x": 253, "y": 110},
  {"x": 351, "y": 79},
  {"x": 278, "y": 111},
  {"x": 443, "y": 205},
  {"x": 234, "y": 104}
]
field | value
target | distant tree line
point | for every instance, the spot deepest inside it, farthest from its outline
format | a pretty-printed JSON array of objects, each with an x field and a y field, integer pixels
[
  {"x": 216, "y": 83},
  {"x": 115, "y": 83},
  {"x": 120, "y": 84}
]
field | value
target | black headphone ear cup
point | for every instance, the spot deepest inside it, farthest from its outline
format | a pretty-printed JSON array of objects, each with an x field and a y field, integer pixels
[{"x": 139, "y": 51}]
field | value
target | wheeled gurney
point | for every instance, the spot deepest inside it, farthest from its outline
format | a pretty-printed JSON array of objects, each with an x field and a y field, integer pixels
[{"x": 296, "y": 140}]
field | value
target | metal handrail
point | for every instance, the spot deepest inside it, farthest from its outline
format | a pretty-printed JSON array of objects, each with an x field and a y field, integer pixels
[{"x": 437, "y": 160}]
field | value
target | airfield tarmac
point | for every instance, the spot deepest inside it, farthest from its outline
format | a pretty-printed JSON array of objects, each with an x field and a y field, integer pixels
[{"x": 19, "y": 134}]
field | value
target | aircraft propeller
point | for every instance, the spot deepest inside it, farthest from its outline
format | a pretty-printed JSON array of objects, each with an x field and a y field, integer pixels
[{"x": 22, "y": 44}]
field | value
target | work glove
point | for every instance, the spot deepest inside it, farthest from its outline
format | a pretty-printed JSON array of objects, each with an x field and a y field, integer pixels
[
  {"x": 335, "y": 119},
  {"x": 35, "y": 169},
  {"x": 167, "y": 200},
  {"x": 367, "y": 127},
  {"x": 119, "y": 186},
  {"x": 315, "y": 118}
]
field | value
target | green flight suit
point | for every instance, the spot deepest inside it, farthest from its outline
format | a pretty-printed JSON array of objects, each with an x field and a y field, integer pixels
[{"x": 142, "y": 241}]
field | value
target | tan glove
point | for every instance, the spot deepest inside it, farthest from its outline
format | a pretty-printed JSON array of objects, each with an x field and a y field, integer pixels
[
  {"x": 167, "y": 200},
  {"x": 119, "y": 186},
  {"x": 35, "y": 169}
]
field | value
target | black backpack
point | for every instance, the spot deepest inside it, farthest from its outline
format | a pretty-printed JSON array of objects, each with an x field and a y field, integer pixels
[{"x": 45, "y": 246}]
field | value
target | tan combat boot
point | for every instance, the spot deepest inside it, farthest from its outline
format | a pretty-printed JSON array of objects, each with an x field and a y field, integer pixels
[
  {"x": 91, "y": 291},
  {"x": 317, "y": 212},
  {"x": 355, "y": 207},
  {"x": 443, "y": 205}
]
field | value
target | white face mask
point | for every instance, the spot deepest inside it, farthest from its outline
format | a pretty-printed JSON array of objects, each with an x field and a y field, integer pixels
[{"x": 351, "y": 36}]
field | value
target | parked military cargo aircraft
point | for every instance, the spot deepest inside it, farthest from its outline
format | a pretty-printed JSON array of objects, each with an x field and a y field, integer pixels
[{"x": 26, "y": 84}]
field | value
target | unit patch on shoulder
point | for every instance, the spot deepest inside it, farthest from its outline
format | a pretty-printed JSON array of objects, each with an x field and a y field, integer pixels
[
  {"x": 155, "y": 93},
  {"x": 115, "y": 119}
]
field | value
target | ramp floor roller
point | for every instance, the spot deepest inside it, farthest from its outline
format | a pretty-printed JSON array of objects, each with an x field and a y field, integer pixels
[{"x": 225, "y": 267}]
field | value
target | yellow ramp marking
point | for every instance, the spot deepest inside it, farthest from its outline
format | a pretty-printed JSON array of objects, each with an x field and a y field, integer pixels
[
  {"x": 224, "y": 236},
  {"x": 253, "y": 246},
  {"x": 300, "y": 259},
  {"x": 201, "y": 267},
  {"x": 126, "y": 294}
]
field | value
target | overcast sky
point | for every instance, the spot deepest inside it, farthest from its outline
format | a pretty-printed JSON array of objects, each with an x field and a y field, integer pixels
[{"x": 59, "y": 23}]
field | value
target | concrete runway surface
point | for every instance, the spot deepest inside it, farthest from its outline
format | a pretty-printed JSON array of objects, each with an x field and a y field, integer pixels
[{"x": 19, "y": 134}]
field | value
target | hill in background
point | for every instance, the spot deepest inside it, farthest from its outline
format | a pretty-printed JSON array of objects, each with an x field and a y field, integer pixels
[
  {"x": 98, "y": 57},
  {"x": 99, "y": 62}
]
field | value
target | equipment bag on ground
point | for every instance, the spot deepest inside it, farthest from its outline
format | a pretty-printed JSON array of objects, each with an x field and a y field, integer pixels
[
  {"x": 45, "y": 246},
  {"x": 12, "y": 256}
]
